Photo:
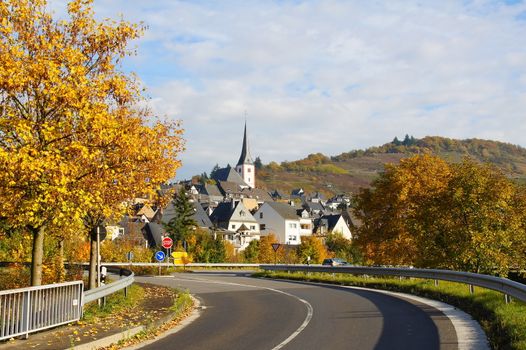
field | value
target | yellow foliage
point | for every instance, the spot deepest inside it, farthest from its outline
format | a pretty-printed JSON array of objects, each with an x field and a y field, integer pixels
[
  {"x": 74, "y": 142},
  {"x": 428, "y": 213}
]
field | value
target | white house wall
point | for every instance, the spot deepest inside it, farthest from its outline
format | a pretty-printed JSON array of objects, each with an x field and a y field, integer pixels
[
  {"x": 341, "y": 226},
  {"x": 292, "y": 232},
  {"x": 273, "y": 222}
]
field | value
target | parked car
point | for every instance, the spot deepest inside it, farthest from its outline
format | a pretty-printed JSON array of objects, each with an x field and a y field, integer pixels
[{"x": 334, "y": 262}]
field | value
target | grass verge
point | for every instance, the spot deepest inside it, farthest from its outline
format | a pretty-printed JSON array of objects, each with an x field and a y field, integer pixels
[
  {"x": 504, "y": 324},
  {"x": 114, "y": 303}
]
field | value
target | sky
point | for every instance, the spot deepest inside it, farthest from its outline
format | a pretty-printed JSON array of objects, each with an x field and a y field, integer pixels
[{"x": 327, "y": 76}]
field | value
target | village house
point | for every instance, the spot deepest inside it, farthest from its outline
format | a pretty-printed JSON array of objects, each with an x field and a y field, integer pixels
[{"x": 280, "y": 219}]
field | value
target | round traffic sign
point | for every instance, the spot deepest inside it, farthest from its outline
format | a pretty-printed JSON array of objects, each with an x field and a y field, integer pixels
[
  {"x": 159, "y": 256},
  {"x": 167, "y": 242}
]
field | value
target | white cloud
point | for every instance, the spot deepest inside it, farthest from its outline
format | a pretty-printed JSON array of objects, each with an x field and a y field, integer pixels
[{"x": 329, "y": 76}]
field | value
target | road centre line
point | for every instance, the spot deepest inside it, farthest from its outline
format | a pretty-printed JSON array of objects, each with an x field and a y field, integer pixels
[{"x": 310, "y": 310}]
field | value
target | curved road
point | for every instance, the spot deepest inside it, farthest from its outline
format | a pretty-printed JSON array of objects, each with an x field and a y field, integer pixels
[{"x": 240, "y": 312}]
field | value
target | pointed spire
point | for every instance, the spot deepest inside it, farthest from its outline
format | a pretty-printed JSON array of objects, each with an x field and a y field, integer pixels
[{"x": 245, "y": 154}]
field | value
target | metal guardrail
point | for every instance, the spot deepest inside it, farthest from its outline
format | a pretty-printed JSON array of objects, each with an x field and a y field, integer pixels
[
  {"x": 226, "y": 265},
  {"x": 110, "y": 288},
  {"x": 499, "y": 284},
  {"x": 27, "y": 310}
]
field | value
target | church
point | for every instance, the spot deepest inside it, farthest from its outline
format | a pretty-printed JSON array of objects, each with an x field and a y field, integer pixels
[{"x": 244, "y": 174}]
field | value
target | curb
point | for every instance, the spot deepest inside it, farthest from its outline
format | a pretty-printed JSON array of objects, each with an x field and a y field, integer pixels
[{"x": 196, "y": 312}]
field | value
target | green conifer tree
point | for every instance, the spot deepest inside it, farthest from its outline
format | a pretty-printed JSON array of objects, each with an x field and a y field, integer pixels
[{"x": 181, "y": 226}]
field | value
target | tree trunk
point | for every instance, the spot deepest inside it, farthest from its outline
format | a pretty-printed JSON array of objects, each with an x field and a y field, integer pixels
[
  {"x": 37, "y": 255},
  {"x": 92, "y": 282},
  {"x": 61, "y": 271}
]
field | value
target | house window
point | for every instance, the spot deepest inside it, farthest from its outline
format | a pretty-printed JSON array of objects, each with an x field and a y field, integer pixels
[
  {"x": 252, "y": 227},
  {"x": 249, "y": 170},
  {"x": 293, "y": 225},
  {"x": 293, "y": 238},
  {"x": 262, "y": 226},
  {"x": 261, "y": 215},
  {"x": 233, "y": 226}
]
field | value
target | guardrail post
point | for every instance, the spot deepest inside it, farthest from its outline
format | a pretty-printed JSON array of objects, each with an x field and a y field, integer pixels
[
  {"x": 436, "y": 283},
  {"x": 471, "y": 289},
  {"x": 507, "y": 298}
]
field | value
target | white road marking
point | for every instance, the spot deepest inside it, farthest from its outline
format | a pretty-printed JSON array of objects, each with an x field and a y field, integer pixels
[{"x": 310, "y": 310}]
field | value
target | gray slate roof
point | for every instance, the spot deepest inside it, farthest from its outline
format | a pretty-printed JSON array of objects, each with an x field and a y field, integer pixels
[
  {"x": 210, "y": 190},
  {"x": 257, "y": 193},
  {"x": 284, "y": 210},
  {"x": 329, "y": 220},
  {"x": 153, "y": 232},
  {"x": 199, "y": 216},
  {"x": 224, "y": 213},
  {"x": 229, "y": 174},
  {"x": 313, "y": 206}
]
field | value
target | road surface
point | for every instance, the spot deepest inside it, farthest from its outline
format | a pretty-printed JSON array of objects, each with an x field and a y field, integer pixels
[{"x": 240, "y": 312}]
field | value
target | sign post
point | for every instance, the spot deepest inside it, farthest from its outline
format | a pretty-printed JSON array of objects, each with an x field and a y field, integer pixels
[
  {"x": 167, "y": 244},
  {"x": 159, "y": 256},
  {"x": 275, "y": 246}
]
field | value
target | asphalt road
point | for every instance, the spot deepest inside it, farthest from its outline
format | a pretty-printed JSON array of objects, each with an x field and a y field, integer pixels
[{"x": 247, "y": 313}]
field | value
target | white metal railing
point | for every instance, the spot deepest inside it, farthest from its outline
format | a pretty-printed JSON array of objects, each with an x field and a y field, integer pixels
[
  {"x": 499, "y": 284},
  {"x": 27, "y": 310}
]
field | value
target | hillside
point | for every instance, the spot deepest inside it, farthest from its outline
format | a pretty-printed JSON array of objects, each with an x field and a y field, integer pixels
[{"x": 349, "y": 171}]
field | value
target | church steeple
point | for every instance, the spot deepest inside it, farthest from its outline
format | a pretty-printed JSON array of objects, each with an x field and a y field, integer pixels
[
  {"x": 245, "y": 165},
  {"x": 245, "y": 153}
]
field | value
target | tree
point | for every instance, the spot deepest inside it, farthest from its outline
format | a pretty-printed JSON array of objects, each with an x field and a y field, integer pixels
[
  {"x": 428, "y": 213},
  {"x": 266, "y": 253},
  {"x": 385, "y": 209},
  {"x": 251, "y": 252},
  {"x": 475, "y": 224},
  {"x": 257, "y": 163},
  {"x": 69, "y": 122},
  {"x": 313, "y": 247},
  {"x": 343, "y": 248},
  {"x": 214, "y": 170},
  {"x": 182, "y": 224}
]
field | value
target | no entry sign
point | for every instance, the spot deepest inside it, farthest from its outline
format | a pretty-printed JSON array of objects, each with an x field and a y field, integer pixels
[{"x": 167, "y": 242}]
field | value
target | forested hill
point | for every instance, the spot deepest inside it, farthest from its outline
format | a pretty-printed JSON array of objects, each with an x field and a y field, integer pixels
[{"x": 350, "y": 170}]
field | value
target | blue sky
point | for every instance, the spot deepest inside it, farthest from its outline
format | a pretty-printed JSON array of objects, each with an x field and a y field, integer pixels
[{"x": 327, "y": 76}]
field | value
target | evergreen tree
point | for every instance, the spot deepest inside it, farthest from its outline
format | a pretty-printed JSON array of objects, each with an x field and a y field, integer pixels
[
  {"x": 252, "y": 251},
  {"x": 257, "y": 163},
  {"x": 181, "y": 226},
  {"x": 406, "y": 141},
  {"x": 396, "y": 142},
  {"x": 213, "y": 173}
]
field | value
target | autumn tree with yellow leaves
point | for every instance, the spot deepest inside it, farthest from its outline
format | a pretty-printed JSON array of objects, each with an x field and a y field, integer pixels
[
  {"x": 73, "y": 142},
  {"x": 428, "y": 213}
]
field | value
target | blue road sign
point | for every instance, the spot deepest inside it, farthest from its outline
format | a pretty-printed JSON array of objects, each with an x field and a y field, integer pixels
[{"x": 159, "y": 256}]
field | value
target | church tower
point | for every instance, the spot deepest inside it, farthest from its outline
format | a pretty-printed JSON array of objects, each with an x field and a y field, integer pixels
[{"x": 245, "y": 165}]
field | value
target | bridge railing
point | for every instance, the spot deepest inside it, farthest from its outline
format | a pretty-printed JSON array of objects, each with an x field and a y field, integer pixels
[
  {"x": 499, "y": 284},
  {"x": 27, "y": 310}
]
